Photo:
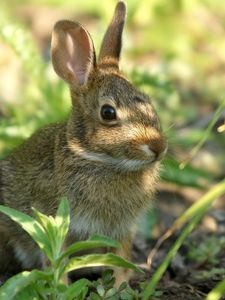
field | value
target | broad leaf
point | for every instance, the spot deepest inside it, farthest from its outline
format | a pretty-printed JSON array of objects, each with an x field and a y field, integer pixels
[
  {"x": 95, "y": 260},
  {"x": 92, "y": 243},
  {"x": 49, "y": 226},
  {"x": 17, "y": 283},
  {"x": 62, "y": 220},
  {"x": 105, "y": 239},
  {"x": 75, "y": 289},
  {"x": 31, "y": 226},
  {"x": 56, "y": 228},
  {"x": 29, "y": 292}
]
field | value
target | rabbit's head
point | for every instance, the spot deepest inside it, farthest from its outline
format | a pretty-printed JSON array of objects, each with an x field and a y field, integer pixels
[{"x": 111, "y": 121}]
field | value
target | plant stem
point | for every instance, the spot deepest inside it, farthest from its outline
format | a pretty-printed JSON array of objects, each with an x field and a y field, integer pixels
[{"x": 217, "y": 292}]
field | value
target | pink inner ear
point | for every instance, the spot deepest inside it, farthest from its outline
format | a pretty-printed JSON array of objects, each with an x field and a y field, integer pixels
[
  {"x": 78, "y": 55},
  {"x": 73, "y": 55}
]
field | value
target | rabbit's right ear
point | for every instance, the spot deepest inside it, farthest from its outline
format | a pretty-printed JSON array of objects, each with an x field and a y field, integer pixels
[{"x": 73, "y": 54}]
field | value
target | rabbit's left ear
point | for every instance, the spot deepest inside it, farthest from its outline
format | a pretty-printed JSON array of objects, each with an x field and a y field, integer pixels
[
  {"x": 112, "y": 41},
  {"x": 73, "y": 54}
]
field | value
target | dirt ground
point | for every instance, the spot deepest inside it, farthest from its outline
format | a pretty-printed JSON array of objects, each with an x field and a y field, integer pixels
[{"x": 199, "y": 264}]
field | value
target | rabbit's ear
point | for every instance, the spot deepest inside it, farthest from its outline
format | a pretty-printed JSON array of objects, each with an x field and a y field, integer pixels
[
  {"x": 112, "y": 42},
  {"x": 73, "y": 55}
]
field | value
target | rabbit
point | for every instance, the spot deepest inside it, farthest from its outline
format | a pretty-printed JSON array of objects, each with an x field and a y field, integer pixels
[{"x": 105, "y": 158}]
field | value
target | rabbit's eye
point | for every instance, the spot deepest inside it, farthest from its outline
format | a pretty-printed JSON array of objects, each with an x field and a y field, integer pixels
[{"x": 108, "y": 113}]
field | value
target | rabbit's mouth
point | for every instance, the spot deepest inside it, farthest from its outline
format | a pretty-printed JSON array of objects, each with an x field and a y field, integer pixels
[
  {"x": 123, "y": 163},
  {"x": 118, "y": 163}
]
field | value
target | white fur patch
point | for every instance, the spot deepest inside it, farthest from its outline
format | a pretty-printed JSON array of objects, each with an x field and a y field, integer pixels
[
  {"x": 85, "y": 226},
  {"x": 124, "y": 164},
  {"x": 119, "y": 163}
]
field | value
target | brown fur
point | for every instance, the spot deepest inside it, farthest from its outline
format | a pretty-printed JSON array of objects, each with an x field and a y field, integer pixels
[
  {"x": 112, "y": 41},
  {"x": 103, "y": 169}
]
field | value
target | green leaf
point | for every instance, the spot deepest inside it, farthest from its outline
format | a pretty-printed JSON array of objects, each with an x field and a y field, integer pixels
[
  {"x": 17, "y": 283},
  {"x": 100, "y": 290},
  {"x": 48, "y": 223},
  {"x": 82, "y": 295},
  {"x": 94, "y": 260},
  {"x": 107, "y": 277},
  {"x": 29, "y": 292},
  {"x": 92, "y": 243},
  {"x": 112, "y": 292},
  {"x": 75, "y": 289},
  {"x": 44, "y": 220},
  {"x": 122, "y": 286},
  {"x": 31, "y": 226},
  {"x": 56, "y": 228},
  {"x": 105, "y": 239},
  {"x": 62, "y": 218},
  {"x": 94, "y": 296},
  {"x": 62, "y": 221}
]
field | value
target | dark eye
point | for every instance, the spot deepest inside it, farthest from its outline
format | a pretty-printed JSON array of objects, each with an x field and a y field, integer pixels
[{"x": 108, "y": 113}]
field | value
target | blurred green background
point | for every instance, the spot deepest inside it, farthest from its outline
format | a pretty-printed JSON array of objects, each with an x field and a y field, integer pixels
[{"x": 173, "y": 50}]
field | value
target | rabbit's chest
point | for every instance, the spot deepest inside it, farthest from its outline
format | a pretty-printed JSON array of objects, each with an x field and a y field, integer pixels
[{"x": 109, "y": 207}]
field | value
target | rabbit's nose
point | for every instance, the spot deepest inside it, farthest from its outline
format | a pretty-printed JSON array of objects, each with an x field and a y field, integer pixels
[
  {"x": 158, "y": 147},
  {"x": 155, "y": 149}
]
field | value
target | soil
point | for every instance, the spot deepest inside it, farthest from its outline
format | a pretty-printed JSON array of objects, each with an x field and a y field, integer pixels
[{"x": 199, "y": 264}]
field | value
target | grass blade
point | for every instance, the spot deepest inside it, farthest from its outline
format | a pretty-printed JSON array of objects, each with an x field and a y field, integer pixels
[
  {"x": 196, "y": 213},
  {"x": 217, "y": 292},
  {"x": 201, "y": 204}
]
